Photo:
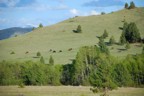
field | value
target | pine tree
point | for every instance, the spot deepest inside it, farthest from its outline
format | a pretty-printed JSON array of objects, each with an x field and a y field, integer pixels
[
  {"x": 122, "y": 39},
  {"x": 42, "y": 60},
  {"x": 79, "y": 30},
  {"x": 132, "y": 34},
  {"x": 51, "y": 60},
  {"x": 126, "y": 6},
  {"x": 103, "y": 46},
  {"x": 105, "y": 34},
  {"x": 112, "y": 40},
  {"x": 127, "y": 45},
  {"x": 40, "y": 25},
  {"x": 132, "y": 5},
  {"x": 38, "y": 54}
]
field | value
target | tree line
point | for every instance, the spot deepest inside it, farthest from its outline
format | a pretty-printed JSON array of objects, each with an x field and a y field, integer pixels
[{"x": 92, "y": 66}]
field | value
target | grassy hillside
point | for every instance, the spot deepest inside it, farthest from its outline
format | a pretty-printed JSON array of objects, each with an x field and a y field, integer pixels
[{"x": 61, "y": 37}]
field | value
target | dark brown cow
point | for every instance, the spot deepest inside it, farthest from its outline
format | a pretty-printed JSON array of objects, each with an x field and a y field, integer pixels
[{"x": 70, "y": 49}]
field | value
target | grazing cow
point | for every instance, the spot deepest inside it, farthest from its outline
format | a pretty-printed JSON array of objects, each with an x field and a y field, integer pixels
[
  {"x": 54, "y": 51},
  {"x": 70, "y": 49},
  {"x": 26, "y": 52},
  {"x": 60, "y": 50}
]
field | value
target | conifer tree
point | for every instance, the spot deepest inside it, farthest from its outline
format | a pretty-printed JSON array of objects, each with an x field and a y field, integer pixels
[
  {"x": 79, "y": 30},
  {"x": 132, "y": 5},
  {"x": 40, "y": 25},
  {"x": 42, "y": 60},
  {"x": 105, "y": 34},
  {"x": 103, "y": 46},
  {"x": 51, "y": 60},
  {"x": 112, "y": 40},
  {"x": 38, "y": 54},
  {"x": 126, "y": 6}
]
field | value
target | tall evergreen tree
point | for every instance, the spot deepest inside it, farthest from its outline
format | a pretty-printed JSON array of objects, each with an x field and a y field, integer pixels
[
  {"x": 51, "y": 60},
  {"x": 132, "y": 5},
  {"x": 42, "y": 60},
  {"x": 105, "y": 34},
  {"x": 132, "y": 34},
  {"x": 103, "y": 46},
  {"x": 38, "y": 54},
  {"x": 112, "y": 40},
  {"x": 126, "y": 6},
  {"x": 40, "y": 25},
  {"x": 79, "y": 30}
]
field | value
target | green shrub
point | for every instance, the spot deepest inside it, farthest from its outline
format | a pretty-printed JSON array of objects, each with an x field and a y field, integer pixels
[
  {"x": 12, "y": 52},
  {"x": 21, "y": 85},
  {"x": 38, "y": 54}
]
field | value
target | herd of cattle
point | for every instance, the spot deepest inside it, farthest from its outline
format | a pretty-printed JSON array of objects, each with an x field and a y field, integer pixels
[{"x": 53, "y": 51}]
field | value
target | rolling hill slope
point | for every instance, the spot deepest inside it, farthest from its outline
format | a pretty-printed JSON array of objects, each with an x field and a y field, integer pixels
[
  {"x": 61, "y": 37},
  {"x": 11, "y": 32}
]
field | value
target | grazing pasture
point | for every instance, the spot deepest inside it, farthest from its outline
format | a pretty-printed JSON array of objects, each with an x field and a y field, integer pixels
[{"x": 64, "y": 91}]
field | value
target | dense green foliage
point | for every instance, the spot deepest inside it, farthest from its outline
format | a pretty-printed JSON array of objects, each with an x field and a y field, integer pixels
[
  {"x": 130, "y": 33},
  {"x": 92, "y": 66}
]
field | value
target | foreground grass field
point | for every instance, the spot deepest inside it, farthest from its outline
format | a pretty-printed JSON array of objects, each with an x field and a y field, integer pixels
[{"x": 64, "y": 91}]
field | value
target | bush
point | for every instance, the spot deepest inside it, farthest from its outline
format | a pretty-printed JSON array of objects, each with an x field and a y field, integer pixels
[
  {"x": 21, "y": 85},
  {"x": 94, "y": 90},
  {"x": 38, "y": 54},
  {"x": 12, "y": 52}
]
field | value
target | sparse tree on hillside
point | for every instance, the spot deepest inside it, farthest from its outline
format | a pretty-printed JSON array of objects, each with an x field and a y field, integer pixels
[
  {"x": 132, "y": 5},
  {"x": 127, "y": 46},
  {"x": 51, "y": 60},
  {"x": 112, "y": 40},
  {"x": 105, "y": 34},
  {"x": 122, "y": 37},
  {"x": 79, "y": 30},
  {"x": 102, "y": 13},
  {"x": 42, "y": 60},
  {"x": 103, "y": 46},
  {"x": 38, "y": 54},
  {"x": 126, "y": 6},
  {"x": 40, "y": 25},
  {"x": 132, "y": 34}
]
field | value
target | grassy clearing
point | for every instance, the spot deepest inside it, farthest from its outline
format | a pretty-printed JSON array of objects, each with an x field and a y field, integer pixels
[
  {"x": 61, "y": 37},
  {"x": 64, "y": 91}
]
